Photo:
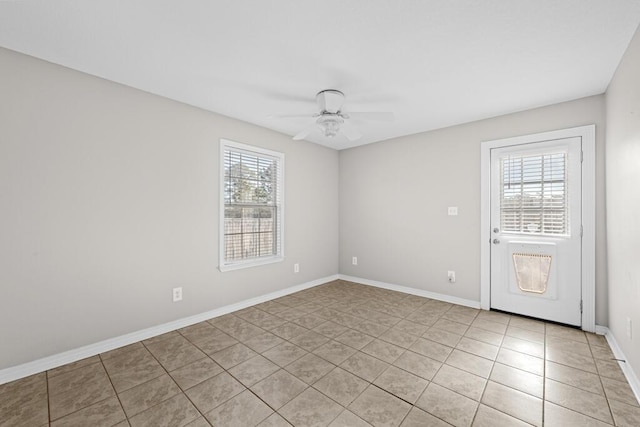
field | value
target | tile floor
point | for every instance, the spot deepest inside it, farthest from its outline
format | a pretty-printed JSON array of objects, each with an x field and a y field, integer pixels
[{"x": 340, "y": 354}]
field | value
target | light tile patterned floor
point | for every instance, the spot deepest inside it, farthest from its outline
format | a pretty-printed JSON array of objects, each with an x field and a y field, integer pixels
[{"x": 340, "y": 354}]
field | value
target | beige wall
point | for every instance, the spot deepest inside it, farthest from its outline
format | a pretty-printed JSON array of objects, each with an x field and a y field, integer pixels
[
  {"x": 394, "y": 197},
  {"x": 109, "y": 199},
  {"x": 623, "y": 202}
]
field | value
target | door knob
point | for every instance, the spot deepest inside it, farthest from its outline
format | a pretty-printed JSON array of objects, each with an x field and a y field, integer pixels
[{"x": 496, "y": 241}]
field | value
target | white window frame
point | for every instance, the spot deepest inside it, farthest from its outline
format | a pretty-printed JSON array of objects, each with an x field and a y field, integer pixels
[{"x": 279, "y": 233}]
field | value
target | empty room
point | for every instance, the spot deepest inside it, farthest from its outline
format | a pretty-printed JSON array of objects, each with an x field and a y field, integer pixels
[{"x": 338, "y": 213}]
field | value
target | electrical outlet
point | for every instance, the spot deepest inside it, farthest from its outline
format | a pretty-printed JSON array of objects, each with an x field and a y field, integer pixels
[
  {"x": 296, "y": 268},
  {"x": 452, "y": 276},
  {"x": 354, "y": 260},
  {"x": 177, "y": 294},
  {"x": 629, "y": 327},
  {"x": 452, "y": 210}
]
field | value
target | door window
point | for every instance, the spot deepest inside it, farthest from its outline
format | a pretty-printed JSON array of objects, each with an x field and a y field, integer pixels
[{"x": 534, "y": 194}]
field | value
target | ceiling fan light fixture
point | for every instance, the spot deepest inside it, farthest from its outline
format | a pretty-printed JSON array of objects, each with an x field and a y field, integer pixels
[
  {"x": 330, "y": 124},
  {"x": 331, "y": 120}
]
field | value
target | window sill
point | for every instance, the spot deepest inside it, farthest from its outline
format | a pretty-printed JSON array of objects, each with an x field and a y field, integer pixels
[{"x": 250, "y": 263}]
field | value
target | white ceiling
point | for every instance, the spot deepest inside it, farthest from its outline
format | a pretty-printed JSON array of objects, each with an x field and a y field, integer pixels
[{"x": 434, "y": 63}]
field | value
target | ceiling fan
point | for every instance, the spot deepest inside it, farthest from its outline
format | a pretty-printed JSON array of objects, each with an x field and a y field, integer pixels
[{"x": 331, "y": 120}]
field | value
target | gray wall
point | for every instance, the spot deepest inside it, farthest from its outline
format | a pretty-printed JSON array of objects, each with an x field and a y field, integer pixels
[
  {"x": 110, "y": 198},
  {"x": 394, "y": 197},
  {"x": 623, "y": 202}
]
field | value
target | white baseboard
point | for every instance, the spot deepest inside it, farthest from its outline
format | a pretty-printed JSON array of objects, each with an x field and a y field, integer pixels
[
  {"x": 30, "y": 368},
  {"x": 412, "y": 291},
  {"x": 628, "y": 371}
]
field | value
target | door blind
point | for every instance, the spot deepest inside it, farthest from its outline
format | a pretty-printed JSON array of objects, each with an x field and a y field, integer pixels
[{"x": 534, "y": 194}]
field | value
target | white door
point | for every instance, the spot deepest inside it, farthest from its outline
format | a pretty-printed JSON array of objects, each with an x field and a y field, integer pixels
[{"x": 536, "y": 192}]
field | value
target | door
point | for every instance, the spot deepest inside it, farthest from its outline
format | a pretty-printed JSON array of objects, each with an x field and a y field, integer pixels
[{"x": 536, "y": 192}]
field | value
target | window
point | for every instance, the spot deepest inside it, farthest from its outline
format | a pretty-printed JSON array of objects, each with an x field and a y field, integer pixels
[
  {"x": 534, "y": 194},
  {"x": 251, "y": 212}
]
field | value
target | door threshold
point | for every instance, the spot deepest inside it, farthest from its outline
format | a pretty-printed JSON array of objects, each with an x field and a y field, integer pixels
[{"x": 536, "y": 319}]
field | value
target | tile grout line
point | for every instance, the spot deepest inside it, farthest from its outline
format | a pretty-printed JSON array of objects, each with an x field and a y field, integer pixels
[
  {"x": 604, "y": 390},
  {"x": 488, "y": 379},
  {"x": 84, "y": 407},
  {"x": 114, "y": 389},
  {"x": 167, "y": 373},
  {"x": 46, "y": 377}
]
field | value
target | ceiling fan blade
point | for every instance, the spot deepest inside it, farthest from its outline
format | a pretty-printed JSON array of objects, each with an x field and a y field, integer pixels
[
  {"x": 305, "y": 132},
  {"x": 350, "y": 132},
  {"x": 372, "y": 115},
  {"x": 290, "y": 116}
]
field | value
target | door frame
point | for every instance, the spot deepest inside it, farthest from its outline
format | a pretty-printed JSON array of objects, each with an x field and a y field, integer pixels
[{"x": 588, "y": 244}]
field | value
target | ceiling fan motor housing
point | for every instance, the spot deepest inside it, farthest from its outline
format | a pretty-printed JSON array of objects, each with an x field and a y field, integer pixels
[{"x": 330, "y": 100}]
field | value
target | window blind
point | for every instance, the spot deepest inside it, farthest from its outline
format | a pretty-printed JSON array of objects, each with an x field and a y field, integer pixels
[
  {"x": 252, "y": 209},
  {"x": 534, "y": 194}
]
